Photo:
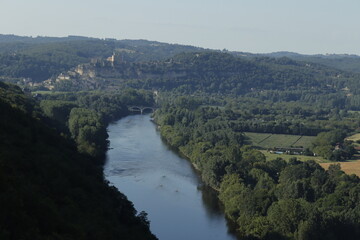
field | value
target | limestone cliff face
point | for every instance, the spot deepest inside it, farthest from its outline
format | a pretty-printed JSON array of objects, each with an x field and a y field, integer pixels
[{"x": 85, "y": 70}]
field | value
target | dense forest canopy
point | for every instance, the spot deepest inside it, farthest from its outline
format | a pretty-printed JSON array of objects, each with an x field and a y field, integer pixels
[
  {"x": 346, "y": 62},
  {"x": 65, "y": 53},
  {"x": 48, "y": 189},
  {"x": 52, "y": 144},
  {"x": 43, "y": 57},
  {"x": 259, "y": 194}
]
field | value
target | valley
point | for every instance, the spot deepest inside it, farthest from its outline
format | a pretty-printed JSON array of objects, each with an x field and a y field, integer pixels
[{"x": 264, "y": 131}]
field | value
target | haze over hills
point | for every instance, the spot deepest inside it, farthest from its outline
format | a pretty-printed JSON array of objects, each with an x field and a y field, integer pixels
[
  {"x": 70, "y": 88},
  {"x": 80, "y": 63},
  {"x": 144, "y": 50}
]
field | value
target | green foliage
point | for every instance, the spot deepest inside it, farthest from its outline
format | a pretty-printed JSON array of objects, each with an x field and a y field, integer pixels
[
  {"x": 44, "y": 57},
  {"x": 203, "y": 137},
  {"x": 84, "y": 115},
  {"x": 329, "y": 138},
  {"x": 13, "y": 96},
  {"x": 213, "y": 97},
  {"x": 326, "y": 151},
  {"x": 42, "y": 61},
  {"x": 266, "y": 199},
  {"x": 285, "y": 215},
  {"x": 109, "y": 106},
  {"x": 345, "y": 62},
  {"x": 88, "y": 131},
  {"x": 275, "y": 80},
  {"x": 331, "y": 145},
  {"x": 57, "y": 109},
  {"x": 50, "y": 191}
]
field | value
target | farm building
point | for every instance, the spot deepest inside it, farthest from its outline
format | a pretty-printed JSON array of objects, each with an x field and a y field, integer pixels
[{"x": 282, "y": 150}]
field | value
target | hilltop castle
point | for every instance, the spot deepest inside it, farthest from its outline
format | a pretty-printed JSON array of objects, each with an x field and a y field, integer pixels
[{"x": 114, "y": 59}]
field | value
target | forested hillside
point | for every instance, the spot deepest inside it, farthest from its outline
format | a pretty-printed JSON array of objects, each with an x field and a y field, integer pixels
[
  {"x": 52, "y": 146},
  {"x": 275, "y": 199},
  {"x": 223, "y": 75},
  {"x": 41, "y": 58},
  {"x": 48, "y": 189},
  {"x": 345, "y": 62}
]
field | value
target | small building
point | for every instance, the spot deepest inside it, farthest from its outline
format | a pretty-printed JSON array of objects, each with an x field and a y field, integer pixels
[
  {"x": 290, "y": 150},
  {"x": 111, "y": 59},
  {"x": 114, "y": 59}
]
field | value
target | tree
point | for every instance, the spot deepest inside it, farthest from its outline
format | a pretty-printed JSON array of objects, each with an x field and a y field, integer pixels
[{"x": 287, "y": 214}]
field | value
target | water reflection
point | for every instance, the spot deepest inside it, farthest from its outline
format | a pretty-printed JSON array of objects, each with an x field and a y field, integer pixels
[{"x": 161, "y": 183}]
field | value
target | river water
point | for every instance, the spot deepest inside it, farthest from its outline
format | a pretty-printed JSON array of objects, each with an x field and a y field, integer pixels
[{"x": 161, "y": 183}]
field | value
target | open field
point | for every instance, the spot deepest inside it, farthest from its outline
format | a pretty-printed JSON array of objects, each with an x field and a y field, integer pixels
[
  {"x": 354, "y": 137},
  {"x": 59, "y": 92},
  {"x": 268, "y": 140},
  {"x": 351, "y": 167},
  {"x": 42, "y": 92},
  {"x": 286, "y": 157}
]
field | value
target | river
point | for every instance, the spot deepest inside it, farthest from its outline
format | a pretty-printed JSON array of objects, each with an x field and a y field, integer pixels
[{"x": 163, "y": 184}]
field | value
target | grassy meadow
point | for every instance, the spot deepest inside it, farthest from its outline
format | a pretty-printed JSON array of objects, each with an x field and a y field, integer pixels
[{"x": 268, "y": 140}]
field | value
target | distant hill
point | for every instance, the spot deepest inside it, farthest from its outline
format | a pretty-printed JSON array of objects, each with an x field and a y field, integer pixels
[
  {"x": 345, "y": 62},
  {"x": 217, "y": 72},
  {"x": 144, "y": 50},
  {"x": 10, "y": 38},
  {"x": 40, "y": 58},
  {"x": 137, "y": 50},
  {"x": 151, "y": 64},
  {"x": 273, "y": 79},
  {"x": 350, "y": 63}
]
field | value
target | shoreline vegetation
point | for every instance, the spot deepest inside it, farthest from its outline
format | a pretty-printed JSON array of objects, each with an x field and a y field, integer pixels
[
  {"x": 51, "y": 184},
  {"x": 208, "y": 99},
  {"x": 257, "y": 193}
]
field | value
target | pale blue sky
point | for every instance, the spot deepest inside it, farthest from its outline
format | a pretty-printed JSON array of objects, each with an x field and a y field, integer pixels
[{"x": 258, "y": 26}]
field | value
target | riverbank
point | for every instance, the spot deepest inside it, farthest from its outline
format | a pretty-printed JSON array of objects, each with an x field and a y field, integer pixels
[
  {"x": 182, "y": 152},
  {"x": 48, "y": 189},
  {"x": 157, "y": 180}
]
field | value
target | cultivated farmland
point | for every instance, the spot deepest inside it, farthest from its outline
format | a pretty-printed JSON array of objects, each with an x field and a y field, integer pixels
[
  {"x": 268, "y": 140},
  {"x": 271, "y": 156},
  {"x": 354, "y": 137},
  {"x": 350, "y": 167}
]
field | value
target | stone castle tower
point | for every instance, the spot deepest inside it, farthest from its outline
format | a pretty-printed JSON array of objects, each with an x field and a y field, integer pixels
[{"x": 114, "y": 59}]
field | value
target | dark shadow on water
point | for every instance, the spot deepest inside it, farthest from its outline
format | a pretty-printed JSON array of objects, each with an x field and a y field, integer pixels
[
  {"x": 211, "y": 203},
  {"x": 214, "y": 207}
]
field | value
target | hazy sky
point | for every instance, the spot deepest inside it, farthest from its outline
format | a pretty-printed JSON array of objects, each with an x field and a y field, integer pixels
[{"x": 258, "y": 26}]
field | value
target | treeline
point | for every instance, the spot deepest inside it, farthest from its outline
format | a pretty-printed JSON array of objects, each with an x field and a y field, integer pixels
[
  {"x": 40, "y": 62},
  {"x": 345, "y": 62},
  {"x": 333, "y": 146},
  {"x": 41, "y": 58},
  {"x": 320, "y": 98},
  {"x": 288, "y": 117},
  {"x": 222, "y": 73},
  {"x": 254, "y": 115},
  {"x": 295, "y": 200},
  {"x": 266, "y": 199},
  {"x": 50, "y": 191},
  {"x": 84, "y": 116}
]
